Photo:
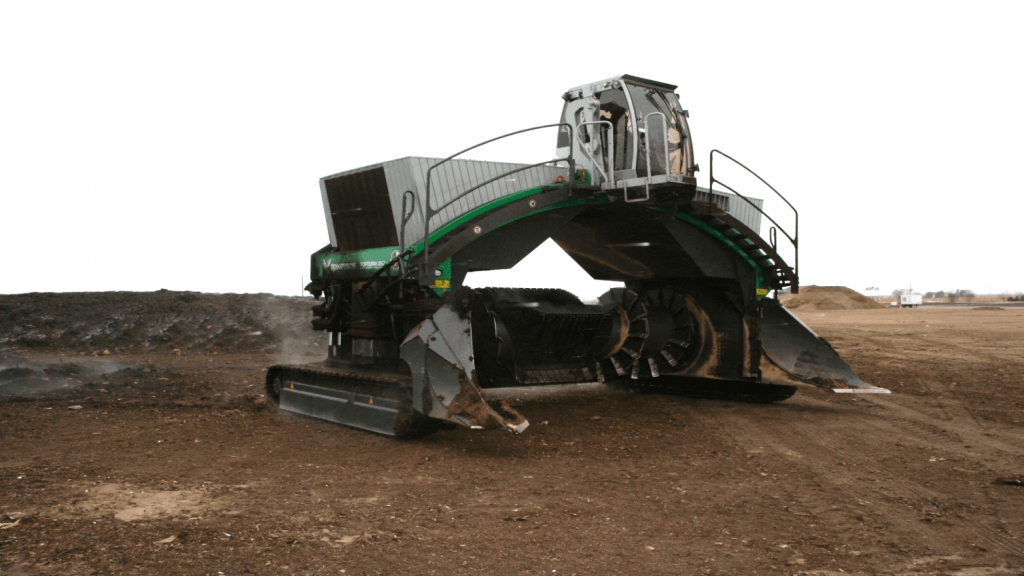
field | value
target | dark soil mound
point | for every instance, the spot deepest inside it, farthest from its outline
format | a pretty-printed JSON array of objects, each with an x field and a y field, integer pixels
[
  {"x": 828, "y": 298},
  {"x": 153, "y": 320},
  {"x": 28, "y": 379}
]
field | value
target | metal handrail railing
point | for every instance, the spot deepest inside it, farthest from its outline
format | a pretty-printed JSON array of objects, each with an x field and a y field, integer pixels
[
  {"x": 407, "y": 214},
  {"x": 430, "y": 212},
  {"x": 608, "y": 170},
  {"x": 796, "y": 215},
  {"x": 664, "y": 139},
  {"x": 647, "y": 156}
]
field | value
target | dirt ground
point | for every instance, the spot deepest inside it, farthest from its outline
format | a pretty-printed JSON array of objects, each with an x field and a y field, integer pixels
[{"x": 134, "y": 440}]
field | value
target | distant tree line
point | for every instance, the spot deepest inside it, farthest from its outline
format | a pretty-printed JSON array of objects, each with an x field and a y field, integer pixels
[
  {"x": 952, "y": 295},
  {"x": 957, "y": 295}
]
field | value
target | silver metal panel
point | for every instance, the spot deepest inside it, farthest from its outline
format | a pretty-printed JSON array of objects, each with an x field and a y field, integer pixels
[
  {"x": 327, "y": 215},
  {"x": 401, "y": 178},
  {"x": 736, "y": 207},
  {"x": 746, "y": 213},
  {"x": 717, "y": 198},
  {"x": 450, "y": 180}
]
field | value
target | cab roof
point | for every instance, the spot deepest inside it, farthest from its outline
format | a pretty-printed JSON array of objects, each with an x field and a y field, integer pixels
[{"x": 608, "y": 83}]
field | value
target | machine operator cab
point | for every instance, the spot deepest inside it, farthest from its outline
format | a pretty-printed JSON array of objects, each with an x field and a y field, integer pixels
[{"x": 629, "y": 133}]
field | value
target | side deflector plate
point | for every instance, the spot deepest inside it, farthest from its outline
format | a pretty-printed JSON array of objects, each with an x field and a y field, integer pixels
[
  {"x": 364, "y": 411},
  {"x": 795, "y": 348}
]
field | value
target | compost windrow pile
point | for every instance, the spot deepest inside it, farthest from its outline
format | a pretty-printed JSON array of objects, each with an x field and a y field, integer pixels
[
  {"x": 65, "y": 344},
  {"x": 828, "y": 298},
  {"x": 162, "y": 320}
]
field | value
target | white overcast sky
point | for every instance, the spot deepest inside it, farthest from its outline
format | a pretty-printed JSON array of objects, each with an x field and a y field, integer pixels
[{"x": 178, "y": 145}]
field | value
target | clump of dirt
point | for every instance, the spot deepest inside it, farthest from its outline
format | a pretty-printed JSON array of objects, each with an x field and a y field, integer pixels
[
  {"x": 97, "y": 321},
  {"x": 828, "y": 298}
]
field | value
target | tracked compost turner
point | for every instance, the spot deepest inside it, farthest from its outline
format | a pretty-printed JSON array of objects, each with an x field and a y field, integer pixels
[{"x": 412, "y": 348}]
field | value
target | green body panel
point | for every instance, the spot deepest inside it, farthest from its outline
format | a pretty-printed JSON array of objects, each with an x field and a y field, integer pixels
[
  {"x": 442, "y": 278},
  {"x": 358, "y": 264},
  {"x": 362, "y": 264}
]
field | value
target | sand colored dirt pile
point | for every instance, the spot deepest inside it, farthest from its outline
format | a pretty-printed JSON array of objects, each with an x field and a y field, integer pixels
[{"x": 828, "y": 298}]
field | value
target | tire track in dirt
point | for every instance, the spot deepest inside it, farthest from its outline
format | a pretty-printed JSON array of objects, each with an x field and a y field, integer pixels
[
  {"x": 900, "y": 487},
  {"x": 959, "y": 424},
  {"x": 960, "y": 434},
  {"x": 828, "y": 449},
  {"x": 922, "y": 354}
]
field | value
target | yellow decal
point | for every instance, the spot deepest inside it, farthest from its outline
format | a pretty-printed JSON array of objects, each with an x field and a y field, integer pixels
[
  {"x": 443, "y": 284},
  {"x": 762, "y": 291}
]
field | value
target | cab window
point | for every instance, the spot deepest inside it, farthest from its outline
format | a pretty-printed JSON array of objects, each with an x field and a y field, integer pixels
[
  {"x": 615, "y": 109},
  {"x": 651, "y": 104}
]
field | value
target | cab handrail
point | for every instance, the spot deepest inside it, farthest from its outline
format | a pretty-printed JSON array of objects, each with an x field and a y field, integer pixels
[{"x": 430, "y": 211}]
